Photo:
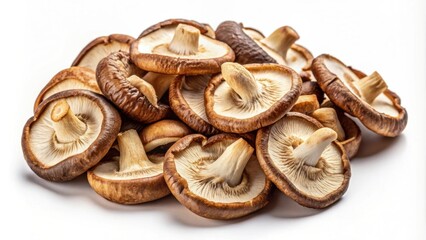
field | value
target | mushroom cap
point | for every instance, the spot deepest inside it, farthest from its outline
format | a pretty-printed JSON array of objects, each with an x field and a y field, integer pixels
[
  {"x": 352, "y": 132},
  {"x": 70, "y": 78},
  {"x": 186, "y": 158},
  {"x": 311, "y": 87},
  {"x": 150, "y": 51},
  {"x": 248, "y": 49},
  {"x": 112, "y": 74},
  {"x": 384, "y": 116},
  {"x": 281, "y": 88},
  {"x": 314, "y": 187},
  {"x": 186, "y": 98},
  {"x": 101, "y": 47},
  {"x": 55, "y": 161}
]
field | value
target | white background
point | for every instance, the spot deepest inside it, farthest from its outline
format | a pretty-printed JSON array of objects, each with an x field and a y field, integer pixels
[{"x": 386, "y": 197}]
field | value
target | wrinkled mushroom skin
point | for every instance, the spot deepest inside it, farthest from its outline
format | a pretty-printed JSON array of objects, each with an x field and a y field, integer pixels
[
  {"x": 353, "y": 134},
  {"x": 104, "y": 40},
  {"x": 129, "y": 191},
  {"x": 181, "y": 108},
  {"x": 76, "y": 165},
  {"x": 310, "y": 87},
  {"x": 284, "y": 184},
  {"x": 273, "y": 114},
  {"x": 342, "y": 97},
  {"x": 232, "y": 34},
  {"x": 178, "y": 66},
  {"x": 112, "y": 74},
  {"x": 201, "y": 206},
  {"x": 80, "y": 74}
]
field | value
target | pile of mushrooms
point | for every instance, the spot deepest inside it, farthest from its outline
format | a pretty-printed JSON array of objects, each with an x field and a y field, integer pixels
[{"x": 216, "y": 118}]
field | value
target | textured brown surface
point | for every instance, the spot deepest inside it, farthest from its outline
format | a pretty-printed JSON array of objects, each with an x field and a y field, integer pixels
[
  {"x": 352, "y": 134},
  {"x": 133, "y": 191},
  {"x": 82, "y": 74},
  {"x": 172, "y": 65},
  {"x": 273, "y": 114},
  {"x": 310, "y": 87},
  {"x": 73, "y": 166},
  {"x": 121, "y": 38},
  {"x": 284, "y": 184},
  {"x": 341, "y": 96},
  {"x": 182, "y": 109},
  {"x": 201, "y": 206},
  {"x": 245, "y": 49},
  {"x": 112, "y": 74}
]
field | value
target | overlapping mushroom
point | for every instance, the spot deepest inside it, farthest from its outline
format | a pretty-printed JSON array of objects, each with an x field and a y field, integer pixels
[{"x": 171, "y": 112}]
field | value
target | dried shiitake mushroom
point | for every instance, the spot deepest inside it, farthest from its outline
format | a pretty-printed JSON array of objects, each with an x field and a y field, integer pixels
[
  {"x": 132, "y": 178},
  {"x": 186, "y": 98},
  {"x": 70, "y": 78},
  {"x": 368, "y": 98},
  {"x": 129, "y": 89},
  {"x": 101, "y": 47},
  {"x": 178, "y": 46},
  {"x": 69, "y": 133},
  {"x": 306, "y": 104},
  {"x": 246, "y": 98},
  {"x": 216, "y": 178},
  {"x": 301, "y": 157}
]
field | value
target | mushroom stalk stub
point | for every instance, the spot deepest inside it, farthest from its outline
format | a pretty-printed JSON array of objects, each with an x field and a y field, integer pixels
[
  {"x": 328, "y": 117},
  {"x": 132, "y": 152},
  {"x": 144, "y": 87},
  {"x": 371, "y": 87},
  {"x": 185, "y": 41},
  {"x": 68, "y": 127},
  {"x": 281, "y": 40},
  {"x": 230, "y": 165},
  {"x": 309, "y": 152},
  {"x": 241, "y": 81}
]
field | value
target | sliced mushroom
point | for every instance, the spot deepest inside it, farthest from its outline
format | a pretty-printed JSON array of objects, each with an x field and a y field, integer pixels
[
  {"x": 367, "y": 98},
  {"x": 216, "y": 178},
  {"x": 101, "y": 47},
  {"x": 159, "y": 136},
  {"x": 178, "y": 46},
  {"x": 132, "y": 178},
  {"x": 70, "y": 78},
  {"x": 250, "y": 46},
  {"x": 186, "y": 97},
  {"x": 69, "y": 133},
  {"x": 124, "y": 84},
  {"x": 303, "y": 160},
  {"x": 246, "y": 98}
]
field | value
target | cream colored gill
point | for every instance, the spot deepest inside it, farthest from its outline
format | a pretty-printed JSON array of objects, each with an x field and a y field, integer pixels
[
  {"x": 382, "y": 103},
  {"x": 275, "y": 84},
  {"x": 71, "y": 84},
  {"x": 43, "y": 142},
  {"x": 193, "y": 92},
  {"x": 192, "y": 161},
  {"x": 157, "y": 43},
  {"x": 109, "y": 170},
  {"x": 296, "y": 60},
  {"x": 100, "y": 51},
  {"x": 282, "y": 137},
  {"x": 253, "y": 34}
]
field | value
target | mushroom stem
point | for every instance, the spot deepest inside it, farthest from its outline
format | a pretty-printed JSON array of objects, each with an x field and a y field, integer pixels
[
  {"x": 328, "y": 117},
  {"x": 68, "y": 127},
  {"x": 281, "y": 40},
  {"x": 185, "y": 41},
  {"x": 132, "y": 152},
  {"x": 309, "y": 152},
  {"x": 160, "y": 82},
  {"x": 230, "y": 165},
  {"x": 241, "y": 81},
  {"x": 145, "y": 88},
  {"x": 371, "y": 87}
]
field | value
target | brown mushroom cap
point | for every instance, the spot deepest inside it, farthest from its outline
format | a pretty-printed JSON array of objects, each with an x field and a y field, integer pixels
[
  {"x": 315, "y": 185},
  {"x": 101, "y": 47},
  {"x": 70, "y": 78},
  {"x": 311, "y": 87},
  {"x": 383, "y": 115},
  {"x": 132, "y": 178},
  {"x": 60, "y": 147},
  {"x": 114, "y": 74},
  {"x": 260, "y": 95},
  {"x": 178, "y": 46},
  {"x": 210, "y": 189},
  {"x": 186, "y": 98}
]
